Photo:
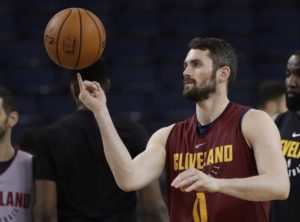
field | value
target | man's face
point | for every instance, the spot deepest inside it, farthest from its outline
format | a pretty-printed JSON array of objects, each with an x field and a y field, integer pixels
[
  {"x": 199, "y": 76},
  {"x": 293, "y": 83},
  {"x": 3, "y": 121}
]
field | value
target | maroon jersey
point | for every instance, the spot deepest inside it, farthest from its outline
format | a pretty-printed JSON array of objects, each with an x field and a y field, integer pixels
[{"x": 221, "y": 152}]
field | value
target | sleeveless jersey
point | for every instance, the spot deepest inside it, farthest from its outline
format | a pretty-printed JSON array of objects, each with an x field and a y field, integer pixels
[
  {"x": 221, "y": 152},
  {"x": 17, "y": 189},
  {"x": 289, "y": 127}
]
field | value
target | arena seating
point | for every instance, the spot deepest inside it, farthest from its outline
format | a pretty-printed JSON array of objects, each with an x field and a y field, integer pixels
[{"x": 146, "y": 46}]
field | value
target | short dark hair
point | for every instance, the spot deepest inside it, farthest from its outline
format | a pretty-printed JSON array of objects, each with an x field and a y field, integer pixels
[
  {"x": 9, "y": 100},
  {"x": 96, "y": 72},
  {"x": 270, "y": 90},
  {"x": 221, "y": 53}
]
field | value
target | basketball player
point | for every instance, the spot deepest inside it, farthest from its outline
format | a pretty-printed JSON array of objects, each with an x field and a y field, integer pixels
[
  {"x": 289, "y": 127},
  {"x": 16, "y": 179},
  {"x": 74, "y": 182},
  {"x": 224, "y": 163},
  {"x": 271, "y": 97}
]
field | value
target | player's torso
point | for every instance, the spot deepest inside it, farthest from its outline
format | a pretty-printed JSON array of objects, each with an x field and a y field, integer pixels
[
  {"x": 290, "y": 139},
  {"x": 17, "y": 190},
  {"x": 221, "y": 152},
  {"x": 289, "y": 127}
]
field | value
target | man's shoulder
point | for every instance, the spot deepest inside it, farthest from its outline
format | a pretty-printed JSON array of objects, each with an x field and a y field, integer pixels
[
  {"x": 24, "y": 154},
  {"x": 78, "y": 117},
  {"x": 24, "y": 157},
  {"x": 188, "y": 120}
]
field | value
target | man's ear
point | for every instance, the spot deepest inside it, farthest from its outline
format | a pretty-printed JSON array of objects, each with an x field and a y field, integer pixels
[
  {"x": 13, "y": 118},
  {"x": 224, "y": 73},
  {"x": 106, "y": 85}
]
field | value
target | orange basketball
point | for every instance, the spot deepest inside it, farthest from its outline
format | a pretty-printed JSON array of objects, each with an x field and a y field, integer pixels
[{"x": 75, "y": 38}]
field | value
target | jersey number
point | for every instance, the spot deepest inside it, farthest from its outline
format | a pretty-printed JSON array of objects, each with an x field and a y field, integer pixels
[{"x": 200, "y": 209}]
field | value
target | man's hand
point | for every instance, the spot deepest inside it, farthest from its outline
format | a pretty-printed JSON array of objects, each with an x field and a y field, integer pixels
[
  {"x": 91, "y": 95},
  {"x": 195, "y": 180}
]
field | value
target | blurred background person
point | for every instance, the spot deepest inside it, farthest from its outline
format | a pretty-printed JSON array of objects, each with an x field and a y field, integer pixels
[
  {"x": 271, "y": 98},
  {"x": 16, "y": 168},
  {"x": 27, "y": 140},
  {"x": 289, "y": 127},
  {"x": 74, "y": 182}
]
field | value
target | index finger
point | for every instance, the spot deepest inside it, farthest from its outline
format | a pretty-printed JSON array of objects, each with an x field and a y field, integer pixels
[
  {"x": 80, "y": 82},
  {"x": 182, "y": 176}
]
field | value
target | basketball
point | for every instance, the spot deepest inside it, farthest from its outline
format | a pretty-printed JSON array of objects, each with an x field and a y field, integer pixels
[{"x": 75, "y": 38}]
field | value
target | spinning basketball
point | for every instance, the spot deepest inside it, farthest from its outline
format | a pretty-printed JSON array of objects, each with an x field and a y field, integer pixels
[{"x": 75, "y": 38}]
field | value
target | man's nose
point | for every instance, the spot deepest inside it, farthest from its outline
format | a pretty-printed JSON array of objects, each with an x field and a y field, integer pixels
[
  {"x": 186, "y": 71},
  {"x": 291, "y": 80}
]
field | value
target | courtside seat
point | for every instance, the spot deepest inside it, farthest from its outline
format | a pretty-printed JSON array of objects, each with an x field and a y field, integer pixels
[
  {"x": 128, "y": 52},
  {"x": 232, "y": 22},
  {"x": 23, "y": 50},
  {"x": 283, "y": 21},
  {"x": 31, "y": 81},
  {"x": 28, "y": 105},
  {"x": 56, "y": 106},
  {"x": 170, "y": 101},
  {"x": 128, "y": 102},
  {"x": 276, "y": 48},
  {"x": 136, "y": 24},
  {"x": 169, "y": 50},
  {"x": 231, "y": 4},
  {"x": 247, "y": 77},
  {"x": 272, "y": 70},
  {"x": 243, "y": 97},
  {"x": 140, "y": 6},
  {"x": 171, "y": 76},
  {"x": 172, "y": 23},
  {"x": 137, "y": 79},
  {"x": 192, "y": 5},
  {"x": 243, "y": 44}
]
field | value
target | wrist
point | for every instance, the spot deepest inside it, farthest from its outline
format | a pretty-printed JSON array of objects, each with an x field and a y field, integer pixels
[
  {"x": 220, "y": 184},
  {"x": 101, "y": 113}
]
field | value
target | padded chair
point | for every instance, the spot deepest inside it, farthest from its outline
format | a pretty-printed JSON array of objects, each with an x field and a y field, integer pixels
[
  {"x": 127, "y": 102},
  {"x": 134, "y": 78},
  {"x": 56, "y": 106},
  {"x": 193, "y": 24},
  {"x": 232, "y": 22},
  {"x": 136, "y": 24},
  {"x": 280, "y": 21}
]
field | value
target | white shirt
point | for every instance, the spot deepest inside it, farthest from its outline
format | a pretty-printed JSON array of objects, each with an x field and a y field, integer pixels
[{"x": 17, "y": 189}]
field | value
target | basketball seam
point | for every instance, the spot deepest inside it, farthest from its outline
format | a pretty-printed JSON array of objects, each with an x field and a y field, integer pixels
[
  {"x": 53, "y": 18},
  {"x": 61, "y": 27},
  {"x": 100, "y": 45},
  {"x": 80, "y": 39}
]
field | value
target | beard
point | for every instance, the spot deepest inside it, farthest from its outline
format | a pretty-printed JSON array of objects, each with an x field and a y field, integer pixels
[
  {"x": 293, "y": 103},
  {"x": 199, "y": 93}
]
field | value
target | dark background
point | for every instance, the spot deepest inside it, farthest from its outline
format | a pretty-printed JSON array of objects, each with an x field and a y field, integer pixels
[{"x": 146, "y": 46}]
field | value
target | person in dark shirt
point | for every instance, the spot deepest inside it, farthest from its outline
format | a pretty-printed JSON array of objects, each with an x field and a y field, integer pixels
[
  {"x": 289, "y": 128},
  {"x": 73, "y": 180},
  {"x": 271, "y": 98},
  {"x": 222, "y": 164}
]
